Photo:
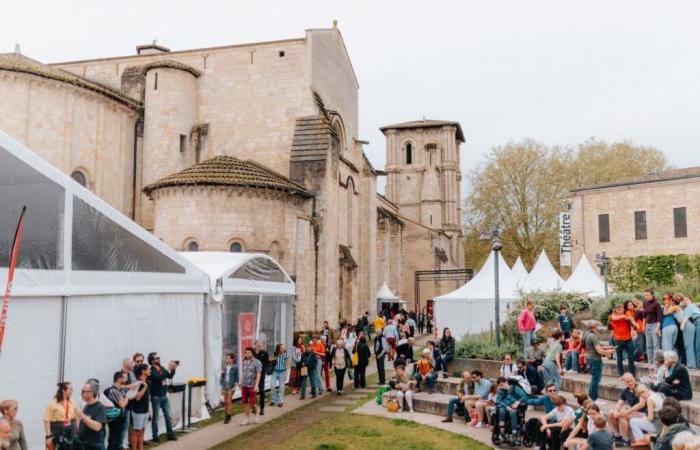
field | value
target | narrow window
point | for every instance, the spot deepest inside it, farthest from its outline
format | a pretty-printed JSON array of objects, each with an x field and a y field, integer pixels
[
  {"x": 236, "y": 248},
  {"x": 183, "y": 143},
  {"x": 192, "y": 246},
  {"x": 680, "y": 225},
  {"x": 409, "y": 154},
  {"x": 603, "y": 228},
  {"x": 431, "y": 219},
  {"x": 155, "y": 82},
  {"x": 79, "y": 177},
  {"x": 281, "y": 53},
  {"x": 640, "y": 225}
]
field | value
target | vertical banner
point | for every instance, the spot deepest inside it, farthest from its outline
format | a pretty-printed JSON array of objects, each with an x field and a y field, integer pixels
[
  {"x": 246, "y": 334},
  {"x": 565, "y": 243},
  {"x": 11, "y": 274}
]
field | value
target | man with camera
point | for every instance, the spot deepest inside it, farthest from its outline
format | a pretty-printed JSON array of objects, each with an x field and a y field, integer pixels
[{"x": 158, "y": 385}]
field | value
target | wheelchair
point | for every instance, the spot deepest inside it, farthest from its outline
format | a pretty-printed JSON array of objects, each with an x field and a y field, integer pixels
[{"x": 499, "y": 438}]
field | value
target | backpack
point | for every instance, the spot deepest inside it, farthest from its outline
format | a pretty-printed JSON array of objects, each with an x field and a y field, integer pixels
[{"x": 521, "y": 382}]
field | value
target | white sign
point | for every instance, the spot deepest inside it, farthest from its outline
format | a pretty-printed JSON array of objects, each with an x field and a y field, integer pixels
[{"x": 565, "y": 243}]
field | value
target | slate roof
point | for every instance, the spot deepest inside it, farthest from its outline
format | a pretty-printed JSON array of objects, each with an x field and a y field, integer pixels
[
  {"x": 15, "y": 62},
  {"x": 666, "y": 175},
  {"x": 229, "y": 171},
  {"x": 425, "y": 124}
]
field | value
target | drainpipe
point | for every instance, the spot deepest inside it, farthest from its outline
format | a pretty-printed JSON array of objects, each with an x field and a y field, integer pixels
[
  {"x": 133, "y": 174},
  {"x": 316, "y": 239}
]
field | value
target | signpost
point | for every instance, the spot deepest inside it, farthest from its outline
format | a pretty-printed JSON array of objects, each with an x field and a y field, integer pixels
[{"x": 565, "y": 244}]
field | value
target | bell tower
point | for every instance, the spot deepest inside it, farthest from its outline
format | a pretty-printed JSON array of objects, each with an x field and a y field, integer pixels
[{"x": 422, "y": 164}]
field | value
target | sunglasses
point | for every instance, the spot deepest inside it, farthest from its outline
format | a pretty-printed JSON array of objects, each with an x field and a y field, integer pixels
[{"x": 551, "y": 390}]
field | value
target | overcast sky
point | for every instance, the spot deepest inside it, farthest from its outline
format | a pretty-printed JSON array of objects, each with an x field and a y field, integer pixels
[{"x": 557, "y": 71}]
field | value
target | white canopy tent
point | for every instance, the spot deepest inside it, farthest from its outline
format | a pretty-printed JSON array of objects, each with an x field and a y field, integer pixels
[
  {"x": 584, "y": 278},
  {"x": 385, "y": 296},
  {"x": 471, "y": 308},
  {"x": 542, "y": 277},
  {"x": 243, "y": 283},
  {"x": 519, "y": 272},
  {"x": 91, "y": 288}
]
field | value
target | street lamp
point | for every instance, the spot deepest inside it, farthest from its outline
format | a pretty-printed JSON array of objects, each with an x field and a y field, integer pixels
[
  {"x": 603, "y": 262},
  {"x": 496, "y": 246}
]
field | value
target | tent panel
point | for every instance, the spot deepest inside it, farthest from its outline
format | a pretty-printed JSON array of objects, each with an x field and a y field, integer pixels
[
  {"x": 464, "y": 316},
  {"x": 42, "y": 239},
  {"x": 29, "y": 361},
  {"x": 260, "y": 269}
]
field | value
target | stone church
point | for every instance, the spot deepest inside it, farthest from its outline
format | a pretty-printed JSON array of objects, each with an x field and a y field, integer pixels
[{"x": 252, "y": 148}]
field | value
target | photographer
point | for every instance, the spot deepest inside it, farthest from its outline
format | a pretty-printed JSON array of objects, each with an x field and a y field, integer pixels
[
  {"x": 158, "y": 385},
  {"x": 92, "y": 419}
]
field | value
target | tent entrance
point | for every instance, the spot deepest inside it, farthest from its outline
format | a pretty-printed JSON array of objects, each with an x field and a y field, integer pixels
[{"x": 433, "y": 283}]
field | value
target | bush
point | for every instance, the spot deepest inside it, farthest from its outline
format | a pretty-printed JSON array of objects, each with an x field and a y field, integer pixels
[
  {"x": 548, "y": 304},
  {"x": 603, "y": 307},
  {"x": 482, "y": 348}
]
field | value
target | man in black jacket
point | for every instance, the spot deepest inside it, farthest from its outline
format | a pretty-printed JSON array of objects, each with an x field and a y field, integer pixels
[
  {"x": 157, "y": 382},
  {"x": 677, "y": 383},
  {"x": 264, "y": 358}
]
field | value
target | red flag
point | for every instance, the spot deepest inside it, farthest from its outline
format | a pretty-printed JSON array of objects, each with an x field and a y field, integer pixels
[{"x": 11, "y": 274}]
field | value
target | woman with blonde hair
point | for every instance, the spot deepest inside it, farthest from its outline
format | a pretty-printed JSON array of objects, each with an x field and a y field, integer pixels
[{"x": 8, "y": 409}]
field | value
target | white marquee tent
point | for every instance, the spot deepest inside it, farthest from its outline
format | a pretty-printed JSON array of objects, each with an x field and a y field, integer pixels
[
  {"x": 542, "y": 277},
  {"x": 243, "y": 283},
  {"x": 519, "y": 272},
  {"x": 91, "y": 288},
  {"x": 585, "y": 279},
  {"x": 471, "y": 308},
  {"x": 386, "y": 296}
]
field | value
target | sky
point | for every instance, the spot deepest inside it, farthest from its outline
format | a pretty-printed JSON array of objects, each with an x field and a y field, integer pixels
[{"x": 556, "y": 71}]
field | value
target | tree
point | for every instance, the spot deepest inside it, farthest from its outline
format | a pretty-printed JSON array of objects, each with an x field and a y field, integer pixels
[{"x": 522, "y": 186}]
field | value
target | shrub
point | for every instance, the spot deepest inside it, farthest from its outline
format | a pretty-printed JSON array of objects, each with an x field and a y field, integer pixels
[
  {"x": 482, "y": 348},
  {"x": 603, "y": 307},
  {"x": 548, "y": 304}
]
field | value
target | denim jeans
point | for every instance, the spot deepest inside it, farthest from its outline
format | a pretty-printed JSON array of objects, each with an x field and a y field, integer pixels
[
  {"x": 163, "y": 403},
  {"x": 620, "y": 348},
  {"x": 528, "y": 336},
  {"x": 571, "y": 362},
  {"x": 277, "y": 393},
  {"x": 451, "y": 405},
  {"x": 445, "y": 361},
  {"x": 669, "y": 334},
  {"x": 550, "y": 373},
  {"x": 689, "y": 331},
  {"x": 596, "y": 366},
  {"x": 125, "y": 428},
  {"x": 652, "y": 340},
  {"x": 429, "y": 379},
  {"x": 640, "y": 345},
  {"x": 513, "y": 414},
  {"x": 302, "y": 387},
  {"x": 319, "y": 381}
]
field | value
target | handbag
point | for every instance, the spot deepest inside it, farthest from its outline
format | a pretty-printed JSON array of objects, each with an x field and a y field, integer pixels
[
  {"x": 355, "y": 358},
  {"x": 304, "y": 371}
]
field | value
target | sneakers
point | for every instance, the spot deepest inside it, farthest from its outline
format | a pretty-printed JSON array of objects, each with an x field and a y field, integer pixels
[
  {"x": 257, "y": 419},
  {"x": 626, "y": 443},
  {"x": 156, "y": 440},
  {"x": 245, "y": 422},
  {"x": 411, "y": 410},
  {"x": 172, "y": 437},
  {"x": 447, "y": 420},
  {"x": 444, "y": 375},
  {"x": 481, "y": 425},
  {"x": 227, "y": 419}
]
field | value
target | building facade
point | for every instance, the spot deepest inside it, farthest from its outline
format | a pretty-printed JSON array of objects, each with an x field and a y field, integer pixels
[
  {"x": 250, "y": 148},
  {"x": 649, "y": 215}
]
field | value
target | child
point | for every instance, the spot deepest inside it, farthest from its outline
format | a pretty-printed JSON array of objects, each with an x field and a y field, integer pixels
[
  {"x": 566, "y": 322},
  {"x": 601, "y": 439},
  {"x": 556, "y": 419},
  {"x": 490, "y": 404}
]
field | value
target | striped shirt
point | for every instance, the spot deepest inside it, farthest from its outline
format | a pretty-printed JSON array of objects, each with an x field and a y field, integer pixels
[{"x": 280, "y": 365}]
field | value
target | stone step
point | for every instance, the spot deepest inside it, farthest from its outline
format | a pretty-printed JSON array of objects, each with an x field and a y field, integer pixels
[{"x": 426, "y": 403}]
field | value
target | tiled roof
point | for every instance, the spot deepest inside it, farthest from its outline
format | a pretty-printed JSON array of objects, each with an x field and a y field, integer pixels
[
  {"x": 425, "y": 124},
  {"x": 16, "y": 62},
  {"x": 229, "y": 171},
  {"x": 666, "y": 175}
]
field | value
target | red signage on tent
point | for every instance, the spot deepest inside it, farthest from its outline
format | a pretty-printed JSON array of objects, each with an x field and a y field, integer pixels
[
  {"x": 246, "y": 333},
  {"x": 11, "y": 275}
]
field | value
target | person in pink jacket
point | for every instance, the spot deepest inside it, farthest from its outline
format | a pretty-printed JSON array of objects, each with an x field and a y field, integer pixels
[{"x": 526, "y": 324}]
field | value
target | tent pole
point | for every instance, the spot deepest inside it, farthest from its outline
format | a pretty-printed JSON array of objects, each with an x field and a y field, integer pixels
[{"x": 62, "y": 340}]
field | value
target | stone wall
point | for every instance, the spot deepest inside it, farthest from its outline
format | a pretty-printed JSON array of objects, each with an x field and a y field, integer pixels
[
  {"x": 620, "y": 203},
  {"x": 73, "y": 129}
]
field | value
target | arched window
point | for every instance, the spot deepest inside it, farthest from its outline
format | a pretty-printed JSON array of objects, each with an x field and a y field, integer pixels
[
  {"x": 79, "y": 177},
  {"x": 235, "y": 247},
  {"x": 409, "y": 153},
  {"x": 192, "y": 246}
]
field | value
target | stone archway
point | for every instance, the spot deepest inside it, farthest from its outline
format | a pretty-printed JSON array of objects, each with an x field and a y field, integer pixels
[{"x": 346, "y": 281}]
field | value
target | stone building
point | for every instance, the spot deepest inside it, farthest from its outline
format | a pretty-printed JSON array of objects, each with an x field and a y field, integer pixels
[
  {"x": 250, "y": 148},
  {"x": 648, "y": 215}
]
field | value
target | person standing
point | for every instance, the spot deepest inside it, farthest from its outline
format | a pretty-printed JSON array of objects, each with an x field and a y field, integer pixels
[
  {"x": 341, "y": 361},
  {"x": 669, "y": 324},
  {"x": 60, "y": 419},
  {"x": 279, "y": 375},
  {"x": 379, "y": 322},
  {"x": 421, "y": 322},
  {"x": 320, "y": 352},
  {"x": 363, "y": 354},
  {"x": 527, "y": 324},
  {"x": 158, "y": 384},
  {"x": 690, "y": 327},
  {"x": 264, "y": 358},
  {"x": 228, "y": 382},
  {"x": 92, "y": 419},
  {"x": 552, "y": 369},
  {"x": 623, "y": 331},
  {"x": 381, "y": 346},
  {"x": 139, "y": 406},
  {"x": 115, "y": 394},
  {"x": 594, "y": 357},
  {"x": 391, "y": 333},
  {"x": 17, "y": 440},
  {"x": 566, "y": 321},
  {"x": 295, "y": 357},
  {"x": 307, "y": 370},
  {"x": 447, "y": 350},
  {"x": 652, "y": 323},
  {"x": 638, "y": 311},
  {"x": 251, "y": 373},
  {"x": 128, "y": 365},
  {"x": 326, "y": 338},
  {"x": 411, "y": 325}
]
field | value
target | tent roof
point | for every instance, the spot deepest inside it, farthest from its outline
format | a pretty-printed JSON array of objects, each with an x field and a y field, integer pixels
[
  {"x": 482, "y": 286},
  {"x": 585, "y": 279},
  {"x": 519, "y": 271},
  {"x": 103, "y": 252},
  {"x": 543, "y": 276},
  {"x": 384, "y": 293}
]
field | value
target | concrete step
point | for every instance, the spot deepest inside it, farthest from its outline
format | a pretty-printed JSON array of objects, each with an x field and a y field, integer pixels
[{"x": 426, "y": 403}]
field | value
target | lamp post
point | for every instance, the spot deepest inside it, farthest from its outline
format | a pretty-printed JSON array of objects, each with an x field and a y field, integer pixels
[
  {"x": 602, "y": 262},
  {"x": 496, "y": 246}
]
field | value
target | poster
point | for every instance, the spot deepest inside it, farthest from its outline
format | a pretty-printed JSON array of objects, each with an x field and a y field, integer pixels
[
  {"x": 246, "y": 334},
  {"x": 565, "y": 242}
]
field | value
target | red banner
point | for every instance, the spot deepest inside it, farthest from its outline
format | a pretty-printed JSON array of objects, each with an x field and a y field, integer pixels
[
  {"x": 246, "y": 334},
  {"x": 11, "y": 275}
]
